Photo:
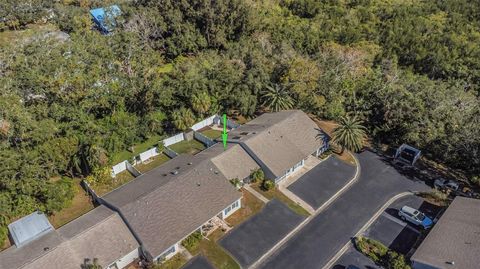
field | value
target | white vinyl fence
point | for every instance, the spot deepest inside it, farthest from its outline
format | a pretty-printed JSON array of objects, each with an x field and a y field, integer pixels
[
  {"x": 173, "y": 139},
  {"x": 119, "y": 167},
  {"x": 148, "y": 154},
  {"x": 207, "y": 141},
  {"x": 204, "y": 123}
]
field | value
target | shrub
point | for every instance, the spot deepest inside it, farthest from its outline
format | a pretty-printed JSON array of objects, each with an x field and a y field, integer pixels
[
  {"x": 393, "y": 260},
  {"x": 268, "y": 184},
  {"x": 235, "y": 182},
  {"x": 192, "y": 240},
  {"x": 380, "y": 254},
  {"x": 475, "y": 180},
  {"x": 371, "y": 248},
  {"x": 99, "y": 176},
  {"x": 257, "y": 175}
]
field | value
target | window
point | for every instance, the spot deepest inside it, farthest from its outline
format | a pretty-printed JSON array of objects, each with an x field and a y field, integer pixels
[
  {"x": 166, "y": 253},
  {"x": 227, "y": 210}
]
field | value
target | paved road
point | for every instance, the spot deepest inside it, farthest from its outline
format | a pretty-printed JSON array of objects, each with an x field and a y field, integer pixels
[
  {"x": 260, "y": 233},
  {"x": 326, "y": 234},
  {"x": 323, "y": 181}
]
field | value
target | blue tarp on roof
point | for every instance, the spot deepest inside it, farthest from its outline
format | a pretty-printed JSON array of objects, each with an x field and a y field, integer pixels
[
  {"x": 29, "y": 228},
  {"x": 104, "y": 17}
]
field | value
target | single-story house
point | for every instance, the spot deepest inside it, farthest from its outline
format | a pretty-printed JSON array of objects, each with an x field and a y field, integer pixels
[
  {"x": 454, "y": 242},
  {"x": 99, "y": 234},
  {"x": 280, "y": 142},
  {"x": 165, "y": 205},
  {"x": 152, "y": 214}
]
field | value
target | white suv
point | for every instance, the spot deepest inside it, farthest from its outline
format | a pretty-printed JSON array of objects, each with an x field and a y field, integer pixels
[{"x": 414, "y": 216}]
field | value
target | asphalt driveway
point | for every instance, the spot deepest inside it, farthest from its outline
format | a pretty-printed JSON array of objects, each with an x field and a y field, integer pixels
[
  {"x": 198, "y": 262},
  {"x": 316, "y": 243},
  {"x": 250, "y": 240},
  {"x": 323, "y": 181},
  {"x": 354, "y": 258}
]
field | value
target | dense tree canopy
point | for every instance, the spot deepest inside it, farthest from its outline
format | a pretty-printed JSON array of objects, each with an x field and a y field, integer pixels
[{"x": 410, "y": 70}]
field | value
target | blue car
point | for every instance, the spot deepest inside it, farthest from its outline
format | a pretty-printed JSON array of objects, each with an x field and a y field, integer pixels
[{"x": 415, "y": 217}]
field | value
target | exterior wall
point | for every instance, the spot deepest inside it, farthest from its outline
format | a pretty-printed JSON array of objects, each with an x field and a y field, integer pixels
[
  {"x": 420, "y": 265},
  {"x": 126, "y": 260},
  {"x": 167, "y": 254},
  {"x": 291, "y": 170},
  {"x": 229, "y": 210}
]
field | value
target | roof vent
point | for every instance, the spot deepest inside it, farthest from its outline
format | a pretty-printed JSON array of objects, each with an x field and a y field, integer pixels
[
  {"x": 216, "y": 172},
  {"x": 189, "y": 163},
  {"x": 451, "y": 262},
  {"x": 46, "y": 249},
  {"x": 164, "y": 175},
  {"x": 198, "y": 184},
  {"x": 178, "y": 167},
  {"x": 174, "y": 172}
]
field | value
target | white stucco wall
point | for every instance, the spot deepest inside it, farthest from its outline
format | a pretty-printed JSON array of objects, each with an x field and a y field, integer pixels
[
  {"x": 126, "y": 260},
  {"x": 233, "y": 207}
]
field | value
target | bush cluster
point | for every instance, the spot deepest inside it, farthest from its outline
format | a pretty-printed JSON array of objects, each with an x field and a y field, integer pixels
[{"x": 381, "y": 254}]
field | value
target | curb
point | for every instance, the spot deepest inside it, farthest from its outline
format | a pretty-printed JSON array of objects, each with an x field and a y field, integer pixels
[
  {"x": 349, "y": 244},
  {"x": 308, "y": 219}
]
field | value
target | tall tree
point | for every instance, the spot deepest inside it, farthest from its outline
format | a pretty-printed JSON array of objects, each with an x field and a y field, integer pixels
[
  {"x": 277, "y": 98},
  {"x": 183, "y": 118},
  {"x": 350, "y": 134},
  {"x": 201, "y": 102}
]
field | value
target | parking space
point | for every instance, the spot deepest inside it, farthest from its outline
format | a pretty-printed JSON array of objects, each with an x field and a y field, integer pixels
[
  {"x": 395, "y": 233},
  {"x": 198, "y": 262},
  {"x": 249, "y": 241},
  {"x": 323, "y": 181}
]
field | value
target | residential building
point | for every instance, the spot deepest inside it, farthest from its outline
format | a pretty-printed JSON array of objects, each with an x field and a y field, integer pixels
[
  {"x": 152, "y": 214},
  {"x": 280, "y": 142},
  {"x": 454, "y": 241},
  {"x": 99, "y": 234}
]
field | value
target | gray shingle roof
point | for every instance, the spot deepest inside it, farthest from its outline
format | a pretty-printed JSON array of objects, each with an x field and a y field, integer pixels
[
  {"x": 163, "y": 206},
  {"x": 234, "y": 162},
  {"x": 99, "y": 233},
  {"x": 455, "y": 237},
  {"x": 278, "y": 140}
]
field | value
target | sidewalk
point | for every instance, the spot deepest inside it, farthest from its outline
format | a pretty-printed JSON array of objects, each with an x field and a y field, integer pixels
[
  {"x": 255, "y": 193},
  {"x": 310, "y": 163}
]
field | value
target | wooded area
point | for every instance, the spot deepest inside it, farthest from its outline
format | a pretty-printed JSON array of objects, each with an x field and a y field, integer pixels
[{"x": 409, "y": 69}]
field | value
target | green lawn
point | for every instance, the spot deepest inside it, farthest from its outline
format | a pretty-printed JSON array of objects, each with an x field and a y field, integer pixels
[
  {"x": 152, "y": 163},
  {"x": 189, "y": 147},
  {"x": 213, "y": 134},
  {"x": 137, "y": 149},
  {"x": 175, "y": 262},
  {"x": 277, "y": 194},
  {"x": 214, "y": 252},
  {"x": 122, "y": 178},
  {"x": 251, "y": 205},
  {"x": 81, "y": 204}
]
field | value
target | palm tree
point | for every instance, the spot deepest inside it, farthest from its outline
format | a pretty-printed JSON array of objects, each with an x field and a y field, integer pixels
[
  {"x": 201, "y": 102},
  {"x": 277, "y": 98},
  {"x": 183, "y": 118},
  {"x": 349, "y": 134}
]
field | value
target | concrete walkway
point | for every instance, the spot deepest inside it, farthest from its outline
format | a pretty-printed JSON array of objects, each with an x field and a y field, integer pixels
[
  {"x": 310, "y": 163},
  {"x": 255, "y": 193}
]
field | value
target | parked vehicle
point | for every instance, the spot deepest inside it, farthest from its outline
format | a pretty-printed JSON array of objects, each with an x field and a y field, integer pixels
[
  {"x": 414, "y": 216},
  {"x": 442, "y": 184},
  {"x": 453, "y": 187}
]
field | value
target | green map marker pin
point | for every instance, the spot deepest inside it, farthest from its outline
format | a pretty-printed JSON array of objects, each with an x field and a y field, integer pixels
[{"x": 224, "y": 134}]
